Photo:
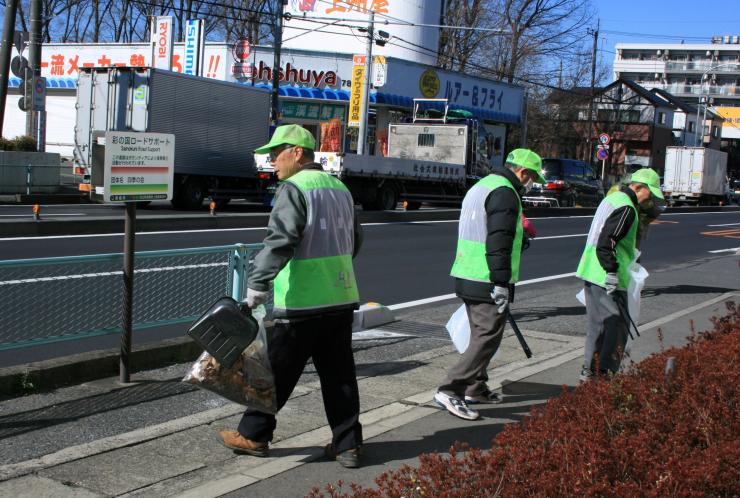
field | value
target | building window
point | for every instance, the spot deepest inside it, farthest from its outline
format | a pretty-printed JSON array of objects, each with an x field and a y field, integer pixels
[
  {"x": 661, "y": 118},
  {"x": 715, "y": 131},
  {"x": 425, "y": 140},
  {"x": 691, "y": 127}
]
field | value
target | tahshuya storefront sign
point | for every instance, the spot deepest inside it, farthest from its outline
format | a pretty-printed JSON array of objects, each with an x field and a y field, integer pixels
[{"x": 310, "y": 69}]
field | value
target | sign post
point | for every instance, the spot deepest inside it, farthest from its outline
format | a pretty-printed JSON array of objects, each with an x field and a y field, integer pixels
[
  {"x": 138, "y": 167},
  {"x": 603, "y": 153}
]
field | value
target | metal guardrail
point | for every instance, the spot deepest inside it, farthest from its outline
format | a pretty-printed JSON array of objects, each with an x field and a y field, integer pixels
[{"x": 47, "y": 300}]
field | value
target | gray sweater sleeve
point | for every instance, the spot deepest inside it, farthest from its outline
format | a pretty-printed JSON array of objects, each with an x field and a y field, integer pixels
[
  {"x": 284, "y": 232},
  {"x": 359, "y": 237}
]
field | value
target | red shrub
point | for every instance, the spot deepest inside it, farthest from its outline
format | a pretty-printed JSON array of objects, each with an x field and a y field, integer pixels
[{"x": 640, "y": 434}]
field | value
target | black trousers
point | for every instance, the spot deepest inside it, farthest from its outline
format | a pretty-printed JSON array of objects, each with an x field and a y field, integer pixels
[{"x": 327, "y": 339}]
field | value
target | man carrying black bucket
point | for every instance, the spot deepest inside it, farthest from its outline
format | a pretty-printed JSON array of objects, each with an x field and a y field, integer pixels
[{"x": 312, "y": 237}]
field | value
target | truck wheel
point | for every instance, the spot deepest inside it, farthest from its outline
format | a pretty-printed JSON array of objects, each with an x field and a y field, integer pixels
[
  {"x": 387, "y": 198},
  {"x": 411, "y": 205},
  {"x": 189, "y": 196}
]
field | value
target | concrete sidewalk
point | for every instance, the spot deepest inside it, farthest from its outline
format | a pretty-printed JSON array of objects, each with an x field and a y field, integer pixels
[{"x": 182, "y": 457}]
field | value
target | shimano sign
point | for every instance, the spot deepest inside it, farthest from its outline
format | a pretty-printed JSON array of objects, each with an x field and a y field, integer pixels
[{"x": 193, "y": 62}]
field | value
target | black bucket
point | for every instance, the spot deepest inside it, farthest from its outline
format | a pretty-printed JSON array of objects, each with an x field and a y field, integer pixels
[{"x": 225, "y": 330}]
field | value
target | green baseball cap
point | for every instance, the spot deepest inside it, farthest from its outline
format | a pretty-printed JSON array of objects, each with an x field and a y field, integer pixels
[
  {"x": 649, "y": 177},
  {"x": 525, "y": 158},
  {"x": 291, "y": 134}
]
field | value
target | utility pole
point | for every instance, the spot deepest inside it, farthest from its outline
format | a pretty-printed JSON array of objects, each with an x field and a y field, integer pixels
[
  {"x": 589, "y": 147},
  {"x": 34, "y": 66},
  {"x": 278, "y": 36},
  {"x": 525, "y": 126},
  {"x": 11, "y": 9},
  {"x": 365, "y": 107}
]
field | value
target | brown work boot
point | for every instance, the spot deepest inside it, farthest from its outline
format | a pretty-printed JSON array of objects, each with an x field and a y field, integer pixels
[
  {"x": 235, "y": 441},
  {"x": 349, "y": 458}
]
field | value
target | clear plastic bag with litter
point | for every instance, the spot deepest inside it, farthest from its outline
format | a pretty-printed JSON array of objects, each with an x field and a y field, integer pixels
[{"x": 248, "y": 382}]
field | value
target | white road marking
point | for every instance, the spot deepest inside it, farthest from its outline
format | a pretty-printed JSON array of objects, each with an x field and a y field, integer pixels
[
  {"x": 724, "y": 225},
  {"x": 445, "y": 297},
  {"x": 733, "y": 249},
  {"x": 369, "y": 335},
  {"x": 708, "y": 212},
  {"x": 164, "y": 232},
  {"x": 560, "y": 236}
]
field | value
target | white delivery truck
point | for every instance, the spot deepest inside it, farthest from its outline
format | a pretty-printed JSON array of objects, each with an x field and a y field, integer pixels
[
  {"x": 217, "y": 125},
  {"x": 695, "y": 175},
  {"x": 435, "y": 158}
]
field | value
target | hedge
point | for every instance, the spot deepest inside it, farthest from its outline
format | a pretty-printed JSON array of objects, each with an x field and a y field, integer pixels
[{"x": 642, "y": 433}]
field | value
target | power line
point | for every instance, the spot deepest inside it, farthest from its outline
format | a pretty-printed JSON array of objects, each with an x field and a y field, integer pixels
[{"x": 653, "y": 35}]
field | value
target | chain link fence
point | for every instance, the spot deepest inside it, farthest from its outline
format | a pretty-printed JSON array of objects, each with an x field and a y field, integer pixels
[{"x": 54, "y": 299}]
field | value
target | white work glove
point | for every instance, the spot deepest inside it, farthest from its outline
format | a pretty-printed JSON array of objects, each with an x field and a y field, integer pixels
[
  {"x": 611, "y": 282},
  {"x": 255, "y": 298},
  {"x": 500, "y": 297}
]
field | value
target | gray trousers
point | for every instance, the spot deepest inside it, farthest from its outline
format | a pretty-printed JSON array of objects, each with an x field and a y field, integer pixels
[
  {"x": 606, "y": 329},
  {"x": 470, "y": 374}
]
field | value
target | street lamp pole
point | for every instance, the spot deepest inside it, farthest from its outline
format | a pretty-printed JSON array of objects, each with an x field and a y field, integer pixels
[{"x": 706, "y": 101}]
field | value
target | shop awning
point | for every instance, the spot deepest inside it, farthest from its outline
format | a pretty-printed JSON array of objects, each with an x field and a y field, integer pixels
[
  {"x": 380, "y": 98},
  {"x": 14, "y": 82}
]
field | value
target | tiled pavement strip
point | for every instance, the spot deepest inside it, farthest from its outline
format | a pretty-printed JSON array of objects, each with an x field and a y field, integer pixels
[{"x": 182, "y": 457}]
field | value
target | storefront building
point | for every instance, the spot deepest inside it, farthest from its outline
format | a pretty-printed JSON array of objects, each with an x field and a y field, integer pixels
[{"x": 315, "y": 88}]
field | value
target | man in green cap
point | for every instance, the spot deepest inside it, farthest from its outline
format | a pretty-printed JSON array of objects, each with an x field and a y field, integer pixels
[
  {"x": 486, "y": 268},
  {"x": 312, "y": 237},
  {"x": 604, "y": 268}
]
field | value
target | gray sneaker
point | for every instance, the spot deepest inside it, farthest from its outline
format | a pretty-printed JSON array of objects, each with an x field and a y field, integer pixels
[
  {"x": 488, "y": 397},
  {"x": 455, "y": 406},
  {"x": 586, "y": 375}
]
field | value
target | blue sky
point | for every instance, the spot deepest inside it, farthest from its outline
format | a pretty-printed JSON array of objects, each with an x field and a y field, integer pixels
[{"x": 695, "y": 21}]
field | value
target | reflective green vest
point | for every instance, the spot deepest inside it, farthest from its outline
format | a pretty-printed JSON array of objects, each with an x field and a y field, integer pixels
[
  {"x": 470, "y": 260},
  {"x": 589, "y": 268},
  {"x": 320, "y": 274}
]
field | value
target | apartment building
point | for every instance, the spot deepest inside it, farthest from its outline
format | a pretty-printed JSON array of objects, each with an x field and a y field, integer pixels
[{"x": 704, "y": 72}]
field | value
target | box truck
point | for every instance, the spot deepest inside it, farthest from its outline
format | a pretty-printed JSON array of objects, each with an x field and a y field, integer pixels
[
  {"x": 217, "y": 125},
  {"x": 434, "y": 158},
  {"x": 695, "y": 175}
]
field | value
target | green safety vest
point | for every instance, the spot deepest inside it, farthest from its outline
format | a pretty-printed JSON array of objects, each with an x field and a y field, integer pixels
[
  {"x": 470, "y": 260},
  {"x": 320, "y": 274},
  {"x": 589, "y": 268}
]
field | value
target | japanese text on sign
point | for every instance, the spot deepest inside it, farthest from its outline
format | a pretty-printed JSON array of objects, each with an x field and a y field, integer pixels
[
  {"x": 332, "y": 6},
  {"x": 355, "y": 99},
  {"x": 477, "y": 96},
  {"x": 138, "y": 166}
]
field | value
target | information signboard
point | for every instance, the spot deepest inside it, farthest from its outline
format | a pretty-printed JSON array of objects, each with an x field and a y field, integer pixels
[{"x": 138, "y": 166}]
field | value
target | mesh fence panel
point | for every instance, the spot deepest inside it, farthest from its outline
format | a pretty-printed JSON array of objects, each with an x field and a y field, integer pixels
[{"x": 53, "y": 299}]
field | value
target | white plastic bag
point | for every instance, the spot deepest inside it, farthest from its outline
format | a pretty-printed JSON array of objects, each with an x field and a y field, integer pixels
[
  {"x": 638, "y": 275},
  {"x": 458, "y": 327},
  {"x": 581, "y": 296}
]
